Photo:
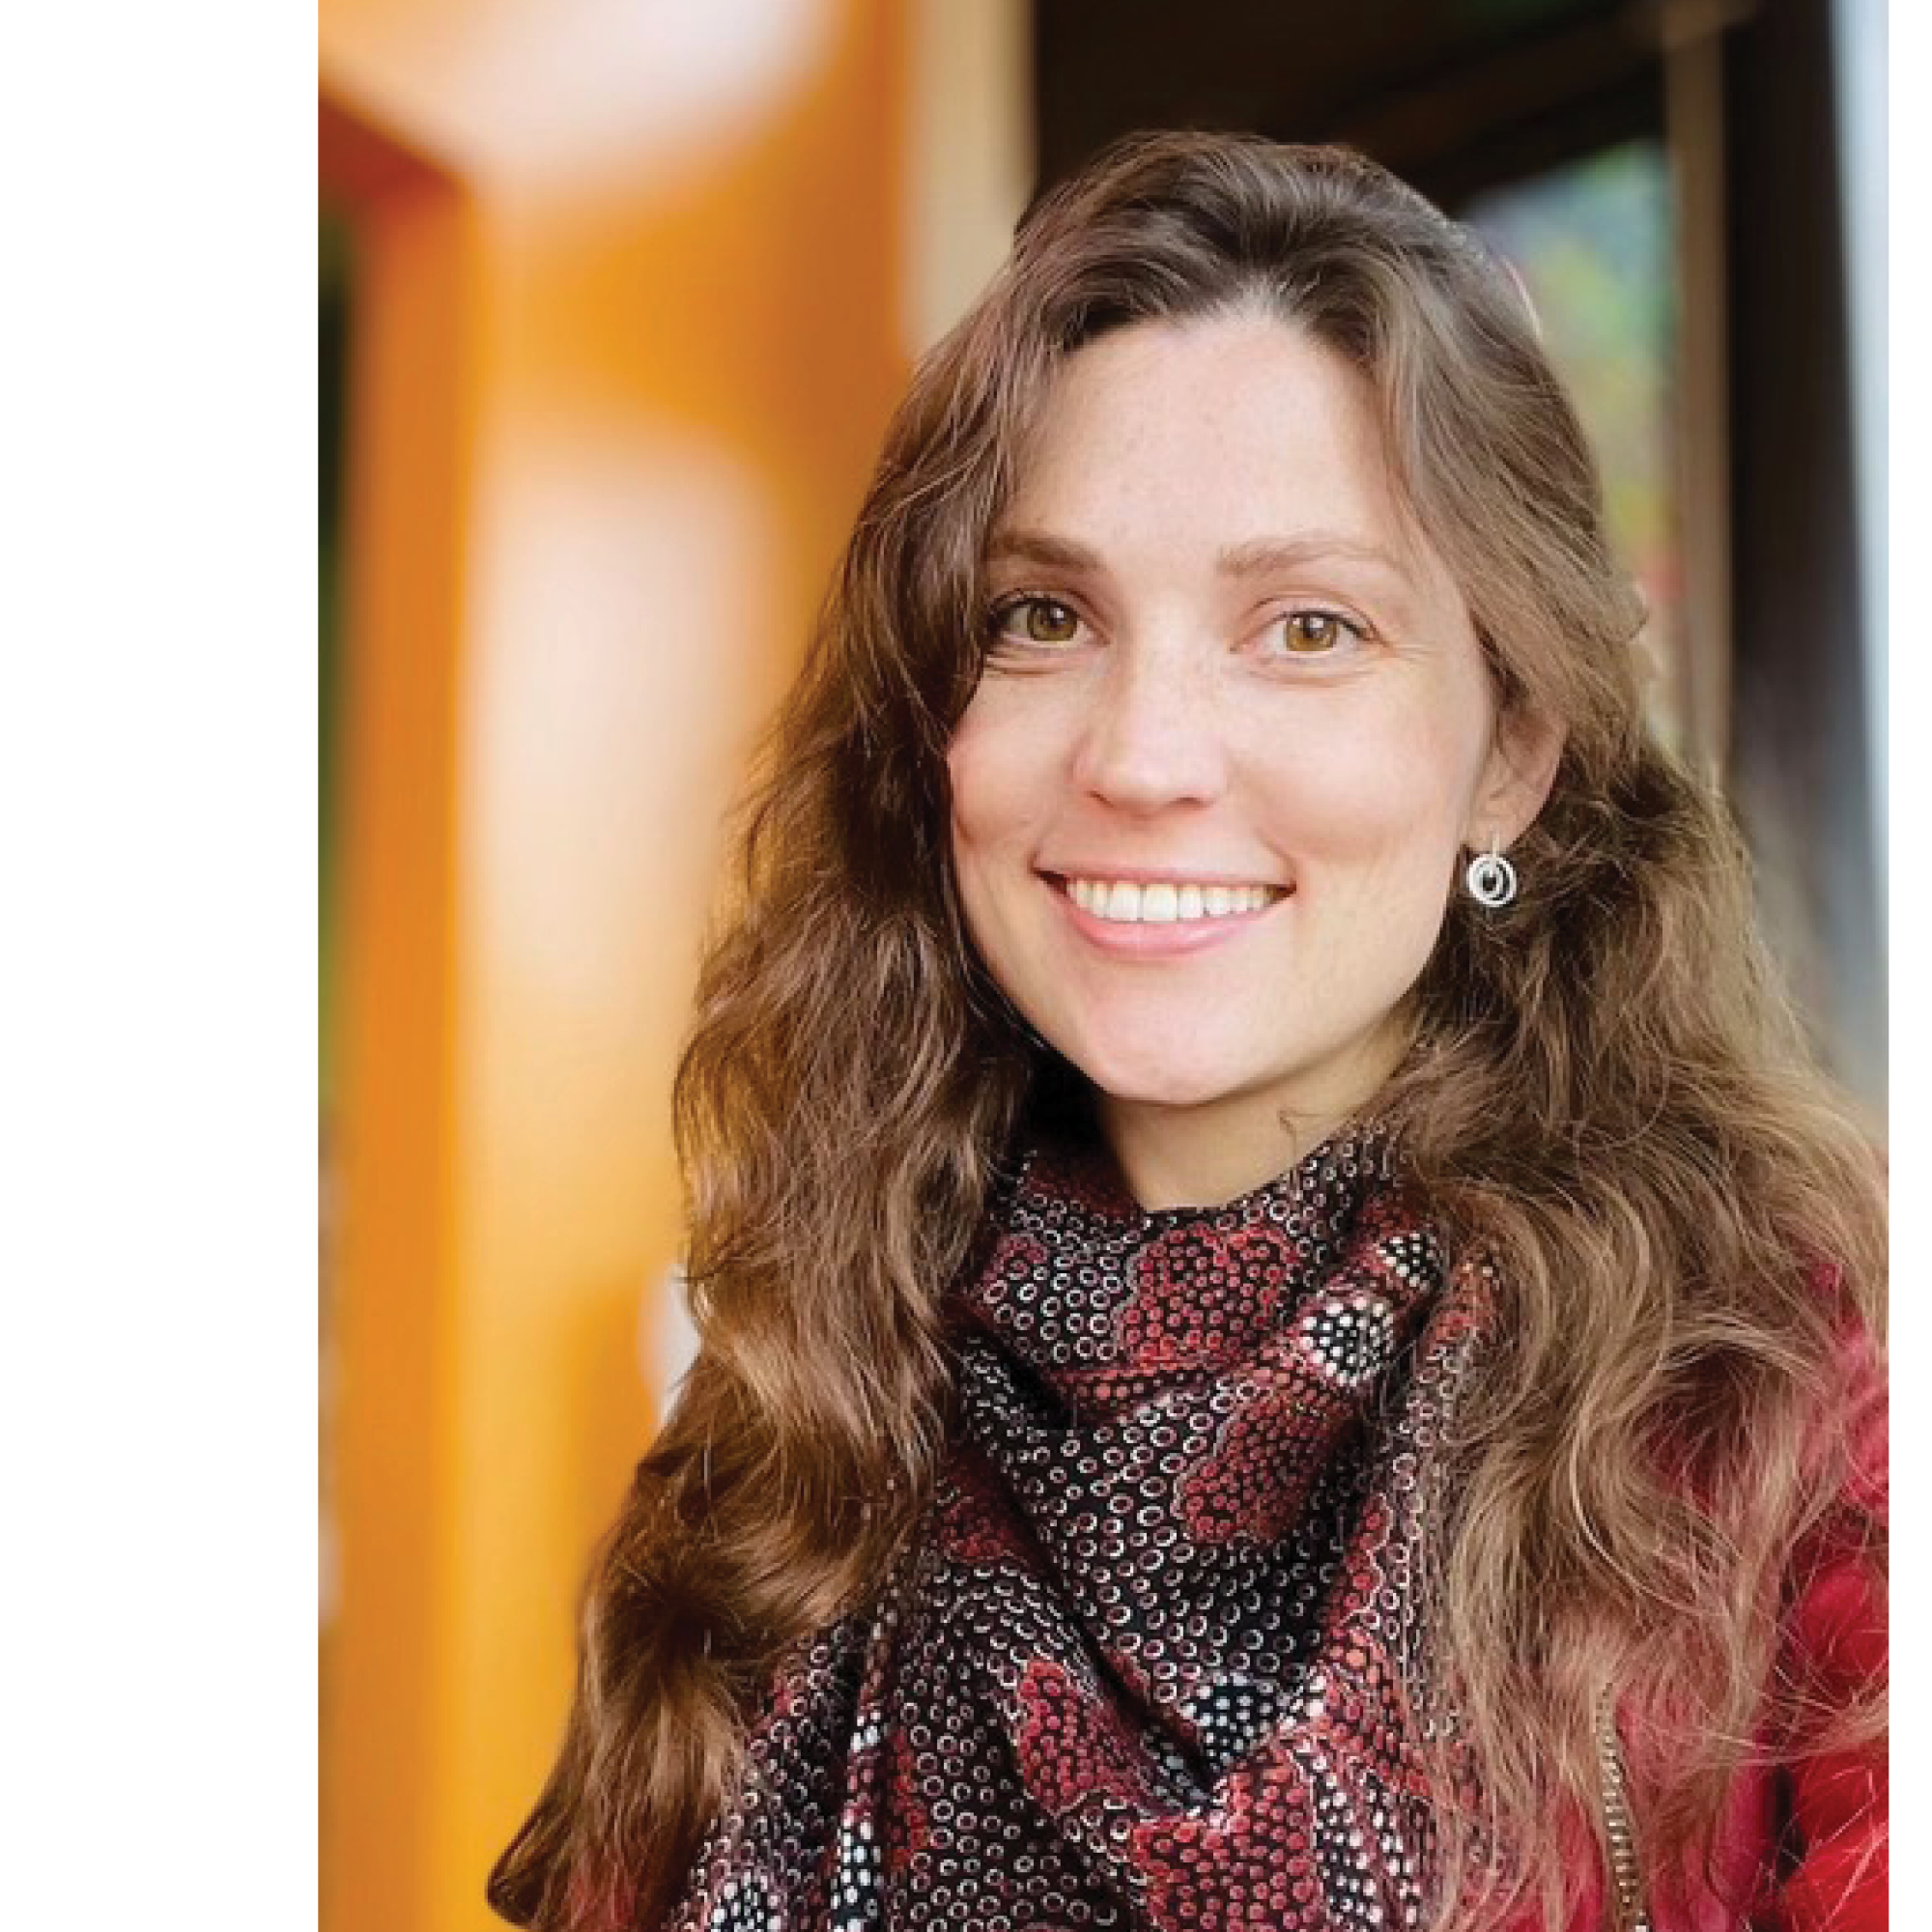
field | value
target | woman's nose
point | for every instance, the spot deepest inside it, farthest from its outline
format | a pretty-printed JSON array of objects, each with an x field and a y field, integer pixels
[{"x": 1153, "y": 737}]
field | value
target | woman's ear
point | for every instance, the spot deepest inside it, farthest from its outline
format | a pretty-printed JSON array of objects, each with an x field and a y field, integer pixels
[{"x": 1523, "y": 756}]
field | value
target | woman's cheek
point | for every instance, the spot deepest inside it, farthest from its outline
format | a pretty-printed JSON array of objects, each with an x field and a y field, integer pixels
[{"x": 1389, "y": 792}]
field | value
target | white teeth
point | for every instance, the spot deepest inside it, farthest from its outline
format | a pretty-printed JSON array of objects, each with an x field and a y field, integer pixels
[{"x": 1162, "y": 902}]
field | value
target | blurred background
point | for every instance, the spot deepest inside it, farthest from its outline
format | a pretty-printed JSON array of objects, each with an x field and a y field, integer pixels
[{"x": 615, "y": 298}]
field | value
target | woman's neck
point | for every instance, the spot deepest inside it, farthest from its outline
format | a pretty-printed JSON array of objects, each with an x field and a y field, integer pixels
[{"x": 1171, "y": 1157}]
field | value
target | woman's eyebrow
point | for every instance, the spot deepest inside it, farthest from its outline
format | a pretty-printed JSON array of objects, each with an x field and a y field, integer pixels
[
  {"x": 1263, "y": 556},
  {"x": 1050, "y": 553},
  {"x": 1258, "y": 557}
]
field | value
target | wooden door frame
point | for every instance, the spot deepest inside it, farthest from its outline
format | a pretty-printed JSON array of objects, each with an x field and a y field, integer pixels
[{"x": 405, "y": 484}]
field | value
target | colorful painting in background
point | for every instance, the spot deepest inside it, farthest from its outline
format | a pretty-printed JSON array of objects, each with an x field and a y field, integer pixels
[{"x": 1594, "y": 244}]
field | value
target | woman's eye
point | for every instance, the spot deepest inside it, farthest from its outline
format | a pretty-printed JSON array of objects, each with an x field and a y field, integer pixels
[
  {"x": 1314, "y": 634},
  {"x": 1037, "y": 620}
]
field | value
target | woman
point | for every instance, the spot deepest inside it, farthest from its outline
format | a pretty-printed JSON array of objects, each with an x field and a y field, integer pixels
[{"x": 1286, "y": 1335}]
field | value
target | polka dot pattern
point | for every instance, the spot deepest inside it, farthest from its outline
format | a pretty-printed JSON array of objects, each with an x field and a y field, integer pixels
[{"x": 1156, "y": 1659}]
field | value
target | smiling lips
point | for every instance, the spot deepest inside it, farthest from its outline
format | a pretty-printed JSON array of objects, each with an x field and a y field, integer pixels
[{"x": 1189, "y": 908}]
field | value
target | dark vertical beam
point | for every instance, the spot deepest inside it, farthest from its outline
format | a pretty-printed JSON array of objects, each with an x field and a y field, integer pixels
[{"x": 1801, "y": 756}]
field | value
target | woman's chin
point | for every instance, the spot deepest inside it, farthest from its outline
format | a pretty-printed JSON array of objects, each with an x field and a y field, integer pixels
[{"x": 1139, "y": 1081}]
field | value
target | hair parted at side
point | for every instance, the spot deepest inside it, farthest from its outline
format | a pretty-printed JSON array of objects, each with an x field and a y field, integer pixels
[{"x": 1607, "y": 1090}]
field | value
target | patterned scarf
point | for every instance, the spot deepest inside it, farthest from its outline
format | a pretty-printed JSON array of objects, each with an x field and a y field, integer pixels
[{"x": 1154, "y": 1660}]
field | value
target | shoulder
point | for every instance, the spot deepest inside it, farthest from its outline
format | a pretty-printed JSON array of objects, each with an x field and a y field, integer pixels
[
  {"x": 1852, "y": 1433},
  {"x": 1833, "y": 1665}
]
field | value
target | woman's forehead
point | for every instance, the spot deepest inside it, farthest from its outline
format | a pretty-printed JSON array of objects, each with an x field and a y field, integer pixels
[{"x": 1239, "y": 437}]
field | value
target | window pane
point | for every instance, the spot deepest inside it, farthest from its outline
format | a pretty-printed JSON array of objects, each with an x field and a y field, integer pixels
[{"x": 1593, "y": 241}]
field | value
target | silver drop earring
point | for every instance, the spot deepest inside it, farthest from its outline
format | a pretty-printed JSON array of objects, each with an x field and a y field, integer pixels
[{"x": 1490, "y": 878}]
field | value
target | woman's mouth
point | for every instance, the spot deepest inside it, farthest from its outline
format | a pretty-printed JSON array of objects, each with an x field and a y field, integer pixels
[
  {"x": 1166, "y": 901},
  {"x": 1155, "y": 919}
]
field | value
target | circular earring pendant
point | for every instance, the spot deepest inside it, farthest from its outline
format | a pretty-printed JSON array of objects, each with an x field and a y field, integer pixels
[{"x": 1491, "y": 879}]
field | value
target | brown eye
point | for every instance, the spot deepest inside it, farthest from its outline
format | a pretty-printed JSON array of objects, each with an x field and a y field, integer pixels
[
  {"x": 1037, "y": 620},
  {"x": 1311, "y": 631},
  {"x": 1314, "y": 634}
]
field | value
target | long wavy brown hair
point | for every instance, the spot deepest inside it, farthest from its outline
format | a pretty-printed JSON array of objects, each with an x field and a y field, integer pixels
[{"x": 1608, "y": 1090}]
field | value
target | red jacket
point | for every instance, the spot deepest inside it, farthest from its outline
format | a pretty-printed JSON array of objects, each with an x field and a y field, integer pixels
[{"x": 1805, "y": 1843}]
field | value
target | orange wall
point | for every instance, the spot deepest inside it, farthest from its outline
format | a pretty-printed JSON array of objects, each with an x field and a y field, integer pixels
[{"x": 670, "y": 266}]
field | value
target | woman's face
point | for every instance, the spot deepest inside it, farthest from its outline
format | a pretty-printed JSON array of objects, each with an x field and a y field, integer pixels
[{"x": 1232, "y": 730}]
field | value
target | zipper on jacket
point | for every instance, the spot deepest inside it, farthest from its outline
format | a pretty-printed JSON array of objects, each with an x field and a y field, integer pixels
[{"x": 1619, "y": 1828}]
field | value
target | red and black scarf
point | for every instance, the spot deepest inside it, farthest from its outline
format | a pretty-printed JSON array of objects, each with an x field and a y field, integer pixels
[{"x": 1156, "y": 1658}]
